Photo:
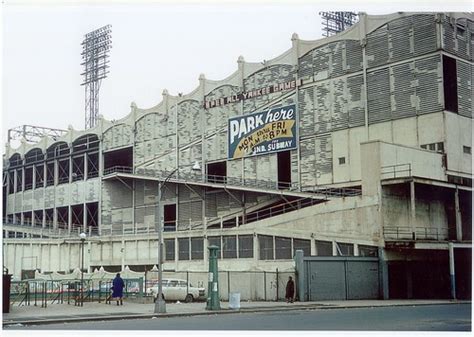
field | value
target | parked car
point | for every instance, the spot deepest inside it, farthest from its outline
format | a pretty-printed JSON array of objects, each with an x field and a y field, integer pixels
[{"x": 177, "y": 290}]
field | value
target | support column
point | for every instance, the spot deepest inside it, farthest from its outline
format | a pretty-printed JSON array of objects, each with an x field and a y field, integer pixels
[
  {"x": 313, "y": 247},
  {"x": 300, "y": 275},
  {"x": 458, "y": 216},
  {"x": 452, "y": 275},
  {"x": 412, "y": 210},
  {"x": 383, "y": 272},
  {"x": 84, "y": 218}
]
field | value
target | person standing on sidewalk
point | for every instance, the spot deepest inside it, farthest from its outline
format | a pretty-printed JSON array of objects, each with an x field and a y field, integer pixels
[
  {"x": 117, "y": 289},
  {"x": 290, "y": 290}
]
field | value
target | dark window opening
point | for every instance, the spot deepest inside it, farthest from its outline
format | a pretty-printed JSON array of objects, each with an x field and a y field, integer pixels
[
  {"x": 368, "y": 251},
  {"x": 11, "y": 182},
  {"x": 38, "y": 218},
  {"x": 284, "y": 170},
  {"x": 119, "y": 159},
  {"x": 183, "y": 249},
  {"x": 229, "y": 247},
  {"x": 304, "y": 245},
  {"x": 63, "y": 171},
  {"x": 323, "y": 248},
  {"x": 19, "y": 180},
  {"x": 342, "y": 160},
  {"x": 34, "y": 156},
  {"x": 85, "y": 143},
  {"x": 28, "y": 178},
  {"x": 217, "y": 172},
  {"x": 92, "y": 165},
  {"x": 92, "y": 215},
  {"x": 15, "y": 160},
  {"x": 215, "y": 241},
  {"x": 245, "y": 246},
  {"x": 50, "y": 174},
  {"x": 17, "y": 218},
  {"x": 77, "y": 168},
  {"x": 39, "y": 176},
  {"x": 266, "y": 247},
  {"x": 450, "y": 84},
  {"x": 77, "y": 217},
  {"x": 466, "y": 149},
  {"x": 48, "y": 218},
  {"x": 27, "y": 218},
  {"x": 62, "y": 217},
  {"x": 57, "y": 150},
  {"x": 169, "y": 249},
  {"x": 283, "y": 248},
  {"x": 197, "y": 248},
  {"x": 169, "y": 214},
  {"x": 345, "y": 249}
]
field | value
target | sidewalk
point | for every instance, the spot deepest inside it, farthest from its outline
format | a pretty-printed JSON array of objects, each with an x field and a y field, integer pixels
[{"x": 58, "y": 313}]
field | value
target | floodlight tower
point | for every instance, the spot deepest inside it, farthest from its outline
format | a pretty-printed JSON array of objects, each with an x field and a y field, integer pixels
[
  {"x": 95, "y": 54},
  {"x": 335, "y": 22}
]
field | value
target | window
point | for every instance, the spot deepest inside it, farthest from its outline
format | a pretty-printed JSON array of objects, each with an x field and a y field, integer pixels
[
  {"x": 438, "y": 147},
  {"x": 342, "y": 160},
  {"x": 368, "y": 251},
  {"x": 245, "y": 246},
  {"x": 282, "y": 248},
  {"x": 229, "y": 247},
  {"x": 323, "y": 248},
  {"x": 169, "y": 249},
  {"x": 266, "y": 247},
  {"x": 173, "y": 283},
  {"x": 466, "y": 149},
  {"x": 183, "y": 249},
  {"x": 345, "y": 249},
  {"x": 197, "y": 248},
  {"x": 215, "y": 241},
  {"x": 217, "y": 172},
  {"x": 450, "y": 84},
  {"x": 304, "y": 245}
]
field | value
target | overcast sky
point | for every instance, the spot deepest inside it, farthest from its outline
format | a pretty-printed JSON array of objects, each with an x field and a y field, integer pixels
[{"x": 155, "y": 46}]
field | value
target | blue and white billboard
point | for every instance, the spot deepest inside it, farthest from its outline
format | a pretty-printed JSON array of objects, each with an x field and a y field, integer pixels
[{"x": 262, "y": 132}]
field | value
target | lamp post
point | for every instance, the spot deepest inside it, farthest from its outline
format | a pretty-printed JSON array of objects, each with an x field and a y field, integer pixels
[
  {"x": 160, "y": 304},
  {"x": 82, "y": 236}
]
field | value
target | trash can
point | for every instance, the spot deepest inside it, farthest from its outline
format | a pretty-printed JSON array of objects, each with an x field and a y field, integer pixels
[
  {"x": 234, "y": 301},
  {"x": 7, "y": 280}
]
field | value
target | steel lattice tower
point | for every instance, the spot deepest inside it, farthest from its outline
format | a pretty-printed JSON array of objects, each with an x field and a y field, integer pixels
[
  {"x": 335, "y": 22},
  {"x": 95, "y": 48}
]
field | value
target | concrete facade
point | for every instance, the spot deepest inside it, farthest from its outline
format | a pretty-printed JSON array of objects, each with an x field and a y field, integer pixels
[{"x": 383, "y": 161}]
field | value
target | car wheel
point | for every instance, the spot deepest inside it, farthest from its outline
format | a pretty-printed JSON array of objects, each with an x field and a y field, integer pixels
[{"x": 189, "y": 298}]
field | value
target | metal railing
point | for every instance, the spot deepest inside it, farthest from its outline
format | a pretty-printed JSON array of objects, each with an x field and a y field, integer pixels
[
  {"x": 395, "y": 171},
  {"x": 419, "y": 233},
  {"x": 324, "y": 191},
  {"x": 62, "y": 229}
]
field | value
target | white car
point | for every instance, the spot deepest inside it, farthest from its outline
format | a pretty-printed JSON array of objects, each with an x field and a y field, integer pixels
[{"x": 177, "y": 290}]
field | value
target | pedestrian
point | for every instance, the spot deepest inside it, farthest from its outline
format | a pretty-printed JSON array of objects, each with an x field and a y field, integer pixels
[
  {"x": 290, "y": 290},
  {"x": 117, "y": 289}
]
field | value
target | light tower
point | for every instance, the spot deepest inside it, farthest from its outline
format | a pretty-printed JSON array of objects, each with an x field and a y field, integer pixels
[
  {"x": 95, "y": 48},
  {"x": 335, "y": 22}
]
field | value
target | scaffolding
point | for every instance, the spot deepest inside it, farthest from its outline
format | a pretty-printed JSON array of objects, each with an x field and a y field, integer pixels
[{"x": 33, "y": 134}]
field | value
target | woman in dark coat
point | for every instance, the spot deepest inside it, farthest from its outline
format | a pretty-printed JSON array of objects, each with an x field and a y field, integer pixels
[
  {"x": 117, "y": 289},
  {"x": 290, "y": 290}
]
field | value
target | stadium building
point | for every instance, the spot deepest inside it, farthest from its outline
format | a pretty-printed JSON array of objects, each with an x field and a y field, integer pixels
[{"x": 359, "y": 144}]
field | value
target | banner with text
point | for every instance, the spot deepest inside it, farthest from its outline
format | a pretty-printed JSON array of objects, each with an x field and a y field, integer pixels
[{"x": 262, "y": 132}]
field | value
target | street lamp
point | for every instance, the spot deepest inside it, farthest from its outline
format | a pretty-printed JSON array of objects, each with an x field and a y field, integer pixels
[
  {"x": 160, "y": 304},
  {"x": 82, "y": 236}
]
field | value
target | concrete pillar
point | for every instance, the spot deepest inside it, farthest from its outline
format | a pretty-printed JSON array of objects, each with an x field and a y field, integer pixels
[
  {"x": 412, "y": 210},
  {"x": 334, "y": 248},
  {"x": 313, "y": 251},
  {"x": 458, "y": 216},
  {"x": 452, "y": 275},
  {"x": 300, "y": 276},
  {"x": 356, "y": 249},
  {"x": 122, "y": 254},
  {"x": 383, "y": 272}
]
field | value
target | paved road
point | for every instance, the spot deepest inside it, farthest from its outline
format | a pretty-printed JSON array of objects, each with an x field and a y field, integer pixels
[{"x": 455, "y": 317}]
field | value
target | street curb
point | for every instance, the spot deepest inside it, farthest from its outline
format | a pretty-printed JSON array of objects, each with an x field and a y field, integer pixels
[{"x": 216, "y": 312}]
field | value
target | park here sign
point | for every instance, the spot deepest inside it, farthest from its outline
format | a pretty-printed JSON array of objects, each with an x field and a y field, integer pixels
[{"x": 264, "y": 132}]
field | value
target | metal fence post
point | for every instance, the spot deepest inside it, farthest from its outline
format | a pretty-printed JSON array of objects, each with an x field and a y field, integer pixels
[
  {"x": 264, "y": 285},
  {"x": 228, "y": 285}
]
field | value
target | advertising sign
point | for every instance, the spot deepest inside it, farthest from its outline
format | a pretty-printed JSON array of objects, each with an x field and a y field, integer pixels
[{"x": 262, "y": 132}]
